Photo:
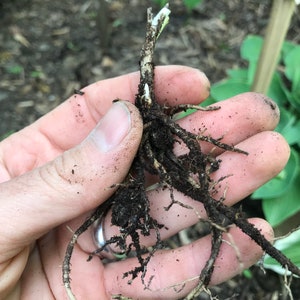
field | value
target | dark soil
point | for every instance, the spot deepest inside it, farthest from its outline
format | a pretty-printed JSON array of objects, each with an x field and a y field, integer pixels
[{"x": 49, "y": 48}]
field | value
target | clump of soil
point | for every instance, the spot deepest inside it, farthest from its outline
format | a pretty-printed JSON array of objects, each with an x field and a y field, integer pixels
[{"x": 189, "y": 173}]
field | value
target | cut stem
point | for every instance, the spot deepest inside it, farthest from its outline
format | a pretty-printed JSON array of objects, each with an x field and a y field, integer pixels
[{"x": 154, "y": 28}]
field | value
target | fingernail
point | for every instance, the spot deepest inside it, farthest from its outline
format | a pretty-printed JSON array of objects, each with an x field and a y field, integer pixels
[{"x": 112, "y": 128}]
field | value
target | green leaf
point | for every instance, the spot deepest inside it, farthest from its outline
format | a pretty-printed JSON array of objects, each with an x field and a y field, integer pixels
[
  {"x": 289, "y": 127},
  {"x": 15, "y": 69},
  {"x": 278, "y": 91},
  {"x": 292, "y": 72},
  {"x": 280, "y": 184},
  {"x": 250, "y": 51},
  {"x": 190, "y": 4},
  {"x": 209, "y": 101},
  {"x": 280, "y": 208},
  {"x": 228, "y": 88},
  {"x": 286, "y": 48},
  {"x": 161, "y": 3},
  {"x": 291, "y": 133},
  {"x": 239, "y": 75},
  {"x": 251, "y": 47},
  {"x": 290, "y": 246},
  {"x": 292, "y": 64},
  {"x": 294, "y": 99}
]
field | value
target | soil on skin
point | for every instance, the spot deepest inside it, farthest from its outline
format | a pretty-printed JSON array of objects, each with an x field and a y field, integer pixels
[{"x": 49, "y": 48}]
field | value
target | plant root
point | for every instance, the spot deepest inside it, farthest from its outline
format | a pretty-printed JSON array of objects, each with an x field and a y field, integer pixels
[{"x": 189, "y": 173}]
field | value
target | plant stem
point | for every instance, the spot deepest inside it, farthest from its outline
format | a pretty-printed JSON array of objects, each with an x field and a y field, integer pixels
[
  {"x": 154, "y": 28},
  {"x": 281, "y": 13}
]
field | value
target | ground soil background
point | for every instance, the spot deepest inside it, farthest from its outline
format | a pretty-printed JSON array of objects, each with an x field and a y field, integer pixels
[{"x": 48, "y": 48}]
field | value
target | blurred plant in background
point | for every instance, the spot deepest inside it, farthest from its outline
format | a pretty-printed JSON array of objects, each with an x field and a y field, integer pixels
[
  {"x": 281, "y": 196},
  {"x": 189, "y": 4},
  {"x": 274, "y": 69}
]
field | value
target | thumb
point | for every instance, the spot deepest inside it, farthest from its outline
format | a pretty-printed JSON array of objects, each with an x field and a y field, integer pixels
[{"x": 72, "y": 184}]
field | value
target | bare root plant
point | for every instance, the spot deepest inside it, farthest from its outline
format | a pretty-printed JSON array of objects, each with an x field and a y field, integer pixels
[{"x": 189, "y": 174}]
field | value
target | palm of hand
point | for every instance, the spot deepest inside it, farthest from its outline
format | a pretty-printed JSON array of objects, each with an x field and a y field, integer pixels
[{"x": 52, "y": 179}]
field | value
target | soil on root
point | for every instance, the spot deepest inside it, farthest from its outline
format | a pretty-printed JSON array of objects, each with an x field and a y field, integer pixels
[{"x": 189, "y": 174}]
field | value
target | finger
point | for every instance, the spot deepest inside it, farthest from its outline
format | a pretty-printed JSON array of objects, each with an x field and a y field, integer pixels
[
  {"x": 72, "y": 184},
  {"x": 173, "y": 85},
  {"x": 268, "y": 154},
  {"x": 174, "y": 273},
  {"x": 54, "y": 133},
  {"x": 237, "y": 119},
  {"x": 264, "y": 161}
]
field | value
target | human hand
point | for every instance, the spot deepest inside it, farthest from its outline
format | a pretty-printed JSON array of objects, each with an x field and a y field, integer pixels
[{"x": 55, "y": 172}]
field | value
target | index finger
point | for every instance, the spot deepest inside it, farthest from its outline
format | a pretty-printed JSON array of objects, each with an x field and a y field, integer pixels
[
  {"x": 173, "y": 85},
  {"x": 69, "y": 123}
]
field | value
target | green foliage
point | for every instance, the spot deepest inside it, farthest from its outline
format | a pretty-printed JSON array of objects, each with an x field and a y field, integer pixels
[
  {"x": 290, "y": 246},
  {"x": 15, "y": 69},
  {"x": 37, "y": 74},
  {"x": 281, "y": 196},
  {"x": 161, "y": 3},
  {"x": 189, "y": 4}
]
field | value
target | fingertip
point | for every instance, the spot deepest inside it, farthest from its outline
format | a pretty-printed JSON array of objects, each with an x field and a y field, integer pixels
[
  {"x": 136, "y": 118},
  {"x": 268, "y": 153},
  {"x": 174, "y": 84},
  {"x": 181, "y": 85},
  {"x": 264, "y": 108},
  {"x": 281, "y": 148},
  {"x": 264, "y": 227},
  {"x": 239, "y": 251}
]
